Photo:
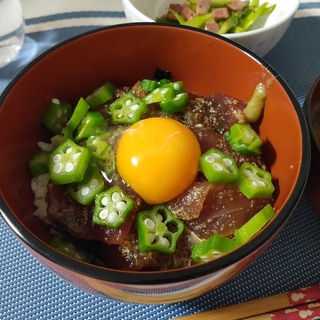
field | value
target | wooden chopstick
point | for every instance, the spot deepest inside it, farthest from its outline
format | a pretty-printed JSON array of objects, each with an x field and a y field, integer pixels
[
  {"x": 260, "y": 306},
  {"x": 304, "y": 311}
]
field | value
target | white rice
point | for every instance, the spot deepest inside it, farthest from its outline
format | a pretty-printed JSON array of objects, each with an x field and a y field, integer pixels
[
  {"x": 39, "y": 185},
  {"x": 45, "y": 146}
]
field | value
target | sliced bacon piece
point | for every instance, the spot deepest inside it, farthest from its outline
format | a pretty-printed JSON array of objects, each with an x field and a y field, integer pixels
[
  {"x": 224, "y": 211},
  {"x": 236, "y": 5},
  {"x": 212, "y": 26},
  {"x": 77, "y": 219},
  {"x": 175, "y": 7},
  {"x": 203, "y": 7},
  {"x": 187, "y": 13},
  {"x": 220, "y": 13}
]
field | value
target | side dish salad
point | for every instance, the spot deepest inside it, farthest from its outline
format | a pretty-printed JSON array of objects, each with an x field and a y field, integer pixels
[
  {"x": 152, "y": 177},
  {"x": 218, "y": 16}
]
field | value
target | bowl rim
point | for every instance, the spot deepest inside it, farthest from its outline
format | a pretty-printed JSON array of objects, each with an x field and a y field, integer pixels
[
  {"x": 176, "y": 275},
  {"x": 234, "y": 36},
  {"x": 307, "y": 110}
]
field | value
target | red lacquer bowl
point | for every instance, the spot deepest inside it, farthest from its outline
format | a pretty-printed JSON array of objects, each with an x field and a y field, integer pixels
[{"x": 123, "y": 54}]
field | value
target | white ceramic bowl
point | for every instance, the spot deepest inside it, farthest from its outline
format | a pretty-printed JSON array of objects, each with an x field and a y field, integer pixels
[{"x": 264, "y": 35}]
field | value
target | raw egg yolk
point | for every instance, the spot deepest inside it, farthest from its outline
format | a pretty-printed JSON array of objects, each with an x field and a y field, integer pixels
[{"x": 158, "y": 158}]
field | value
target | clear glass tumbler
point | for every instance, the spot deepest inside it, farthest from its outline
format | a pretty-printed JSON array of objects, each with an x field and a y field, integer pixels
[{"x": 11, "y": 30}]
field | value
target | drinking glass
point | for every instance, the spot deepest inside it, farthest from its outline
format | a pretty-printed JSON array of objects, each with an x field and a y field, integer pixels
[{"x": 11, "y": 30}]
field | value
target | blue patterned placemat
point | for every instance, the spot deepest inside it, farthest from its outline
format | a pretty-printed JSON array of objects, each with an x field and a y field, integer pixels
[{"x": 30, "y": 291}]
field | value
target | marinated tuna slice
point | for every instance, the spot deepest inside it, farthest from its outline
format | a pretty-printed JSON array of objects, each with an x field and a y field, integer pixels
[
  {"x": 209, "y": 138},
  {"x": 217, "y": 111},
  {"x": 189, "y": 204},
  {"x": 77, "y": 219},
  {"x": 127, "y": 256},
  {"x": 224, "y": 210}
]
